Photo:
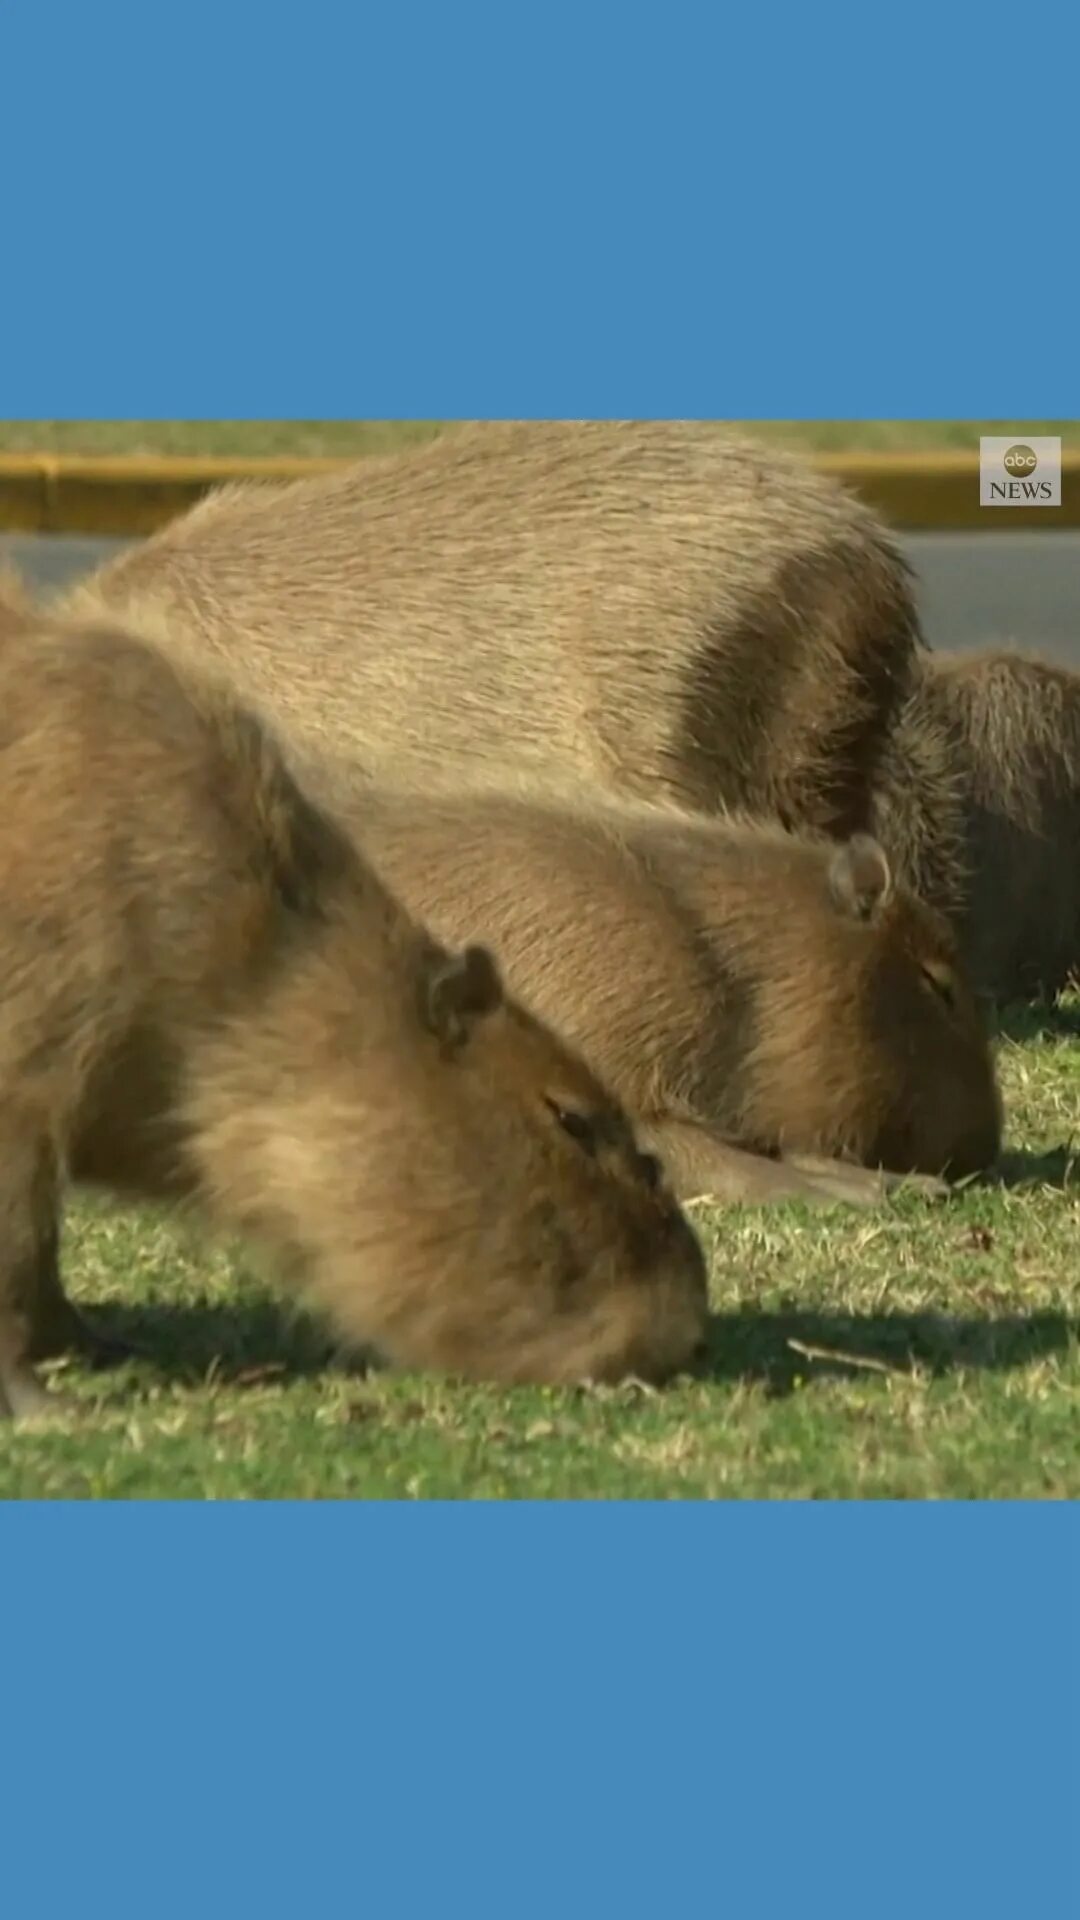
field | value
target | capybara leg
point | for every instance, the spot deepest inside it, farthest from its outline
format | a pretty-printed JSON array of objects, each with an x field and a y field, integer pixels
[
  {"x": 29, "y": 1280},
  {"x": 22, "y": 1396},
  {"x": 849, "y": 1181},
  {"x": 701, "y": 1165}
]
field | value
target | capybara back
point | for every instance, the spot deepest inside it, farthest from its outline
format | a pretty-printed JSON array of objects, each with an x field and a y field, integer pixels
[{"x": 655, "y": 608}]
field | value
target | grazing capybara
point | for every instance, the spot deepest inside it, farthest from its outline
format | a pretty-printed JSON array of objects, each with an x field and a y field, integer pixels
[
  {"x": 655, "y": 608},
  {"x": 979, "y": 806},
  {"x": 728, "y": 980},
  {"x": 205, "y": 991}
]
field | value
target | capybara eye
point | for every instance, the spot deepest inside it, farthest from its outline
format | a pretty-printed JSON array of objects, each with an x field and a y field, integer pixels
[
  {"x": 940, "y": 981},
  {"x": 649, "y": 1168},
  {"x": 576, "y": 1125}
]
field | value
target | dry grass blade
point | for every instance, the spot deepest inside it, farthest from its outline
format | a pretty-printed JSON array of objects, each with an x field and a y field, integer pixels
[{"x": 835, "y": 1357}]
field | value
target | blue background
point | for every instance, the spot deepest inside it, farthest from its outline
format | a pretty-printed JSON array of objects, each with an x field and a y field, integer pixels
[
  {"x": 259, "y": 212},
  {"x": 481, "y": 210},
  {"x": 518, "y": 1711}
]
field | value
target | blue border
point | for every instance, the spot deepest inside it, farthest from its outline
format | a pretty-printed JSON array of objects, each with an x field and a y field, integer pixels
[
  {"x": 433, "y": 213},
  {"x": 425, "y": 212},
  {"x": 525, "y": 1710}
]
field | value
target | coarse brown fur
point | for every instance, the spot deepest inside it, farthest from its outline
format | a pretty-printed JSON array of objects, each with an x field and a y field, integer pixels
[
  {"x": 653, "y": 608},
  {"x": 776, "y": 991},
  {"x": 979, "y": 805},
  {"x": 206, "y": 992}
]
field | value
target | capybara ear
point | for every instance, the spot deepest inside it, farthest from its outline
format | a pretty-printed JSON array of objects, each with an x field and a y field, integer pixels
[
  {"x": 460, "y": 990},
  {"x": 860, "y": 878}
]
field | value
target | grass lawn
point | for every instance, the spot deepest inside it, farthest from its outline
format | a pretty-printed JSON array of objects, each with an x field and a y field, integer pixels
[
  {"x": 922, "y": 1351},
  {"x": 349, "y": 437}
]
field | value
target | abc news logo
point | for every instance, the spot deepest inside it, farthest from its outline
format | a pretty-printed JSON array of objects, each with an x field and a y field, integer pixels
[{"x": 1020, "y": 473}]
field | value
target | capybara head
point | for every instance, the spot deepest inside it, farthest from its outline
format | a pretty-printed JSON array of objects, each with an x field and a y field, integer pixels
[
  {"x": 869, "y": 1038},
  {"x": 606, "y": 1278},
  {"x": 460, "y": 1190}
]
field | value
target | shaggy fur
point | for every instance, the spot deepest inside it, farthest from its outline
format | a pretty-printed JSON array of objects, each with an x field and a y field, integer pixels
[
  {"x": 652, "y": 608},
  {"x": 979, "y": 805},
  {"x": 205, "y": 991},
  {"x": 775, "y": 990}
]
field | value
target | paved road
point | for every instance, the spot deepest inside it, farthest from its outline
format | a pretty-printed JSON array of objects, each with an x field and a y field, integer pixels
[{"x": 976, "y": 588}]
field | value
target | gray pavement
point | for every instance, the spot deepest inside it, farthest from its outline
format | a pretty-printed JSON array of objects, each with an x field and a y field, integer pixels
[
  {"x": 48, "y": 562},
  {"x": 975, "y": 588}
]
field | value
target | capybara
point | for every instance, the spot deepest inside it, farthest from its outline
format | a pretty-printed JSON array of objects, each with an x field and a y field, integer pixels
[
  {"x": 656, "y": 608},
  {"x": 727, "y": 979},
  {"x": 979, "y": 806},
  {"x": 205, "y": 991}
]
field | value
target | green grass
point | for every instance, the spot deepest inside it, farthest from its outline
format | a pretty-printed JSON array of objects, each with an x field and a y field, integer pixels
[
  {"x": 924, "y": 1351},
  {"x": 349, "y": 437}
]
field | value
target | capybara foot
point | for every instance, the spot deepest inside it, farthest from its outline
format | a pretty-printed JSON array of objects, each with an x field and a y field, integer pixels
[
  {"x": 702, "y": 1166},
  {"x": 24, "y": 1400},
  {"x": 835, "y": 1180}
]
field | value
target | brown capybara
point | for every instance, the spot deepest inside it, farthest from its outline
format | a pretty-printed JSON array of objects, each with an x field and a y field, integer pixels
[
  {"x": 653, "y": 608},
  {"x": 728, "y": 980},
  {"x": 205, "y": 991},
  {"x": 979, "y": 806}
]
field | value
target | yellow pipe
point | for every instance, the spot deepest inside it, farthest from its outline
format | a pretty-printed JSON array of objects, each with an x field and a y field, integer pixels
[{"x": 42, "y": 493}]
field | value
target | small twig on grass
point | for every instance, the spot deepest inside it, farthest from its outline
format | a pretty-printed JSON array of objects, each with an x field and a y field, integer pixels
[
  {"x": 254, "y": 1375},
  {"x": 850, "y": 1359}
]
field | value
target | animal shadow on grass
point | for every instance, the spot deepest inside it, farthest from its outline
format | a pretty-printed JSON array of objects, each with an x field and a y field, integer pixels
[
  {"x": 1058, "y": 1168},
  {"x": 1027, "y": 1021},
  {"x": 253, "y": 1341},
  {"x": 245, "y": 1342},
  {"x": 776, "y": 1349}
]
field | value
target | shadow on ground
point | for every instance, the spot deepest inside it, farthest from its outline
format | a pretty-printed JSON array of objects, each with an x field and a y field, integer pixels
[
  {"x": 1016, "y": 1169},
  {"x": 235, "y": 1344},
  {"x": 776, "y": 1349},
  {"x": 1025, "y": 1022},
  {"x": 254, "y": 1343}
]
